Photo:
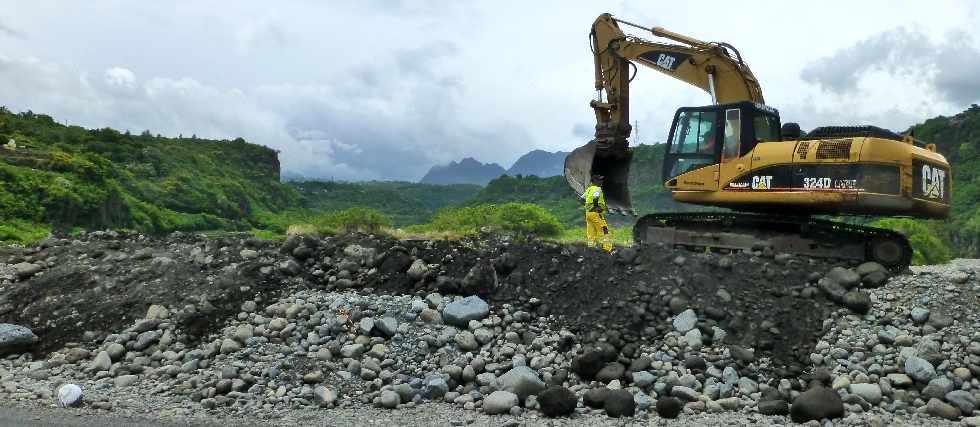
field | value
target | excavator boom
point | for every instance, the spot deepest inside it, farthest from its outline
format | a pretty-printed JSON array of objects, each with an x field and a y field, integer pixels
[{"x": 716, "y": 68}]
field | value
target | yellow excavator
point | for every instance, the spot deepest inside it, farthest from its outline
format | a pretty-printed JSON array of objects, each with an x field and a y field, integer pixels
[{"x": 735, "y": 154}]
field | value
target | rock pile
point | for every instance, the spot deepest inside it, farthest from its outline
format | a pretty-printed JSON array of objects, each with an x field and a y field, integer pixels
[{"x": 236, "y": 325}]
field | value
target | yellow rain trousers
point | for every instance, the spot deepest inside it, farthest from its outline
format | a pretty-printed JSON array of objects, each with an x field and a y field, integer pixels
[{"x": 596, "y": 228}]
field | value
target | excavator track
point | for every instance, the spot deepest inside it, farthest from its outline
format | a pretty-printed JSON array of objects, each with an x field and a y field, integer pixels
[{"x": 799, "y": 235}]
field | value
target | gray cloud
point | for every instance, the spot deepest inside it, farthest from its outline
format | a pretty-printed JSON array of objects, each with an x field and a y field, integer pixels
[
  {"x": 11, "y": 32},
  {"x": 390, "y": 119},
  {"x": 582, "y": 130},
  {"x": 384, "y": 89},
  {"x": 949, "y": 67}
]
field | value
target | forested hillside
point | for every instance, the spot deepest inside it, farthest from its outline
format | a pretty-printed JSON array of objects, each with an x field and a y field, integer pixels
[
  {"x": 958, "y": 138},
  {"x": 57, "y": 177},
  {"x": 54, "y": 176}
]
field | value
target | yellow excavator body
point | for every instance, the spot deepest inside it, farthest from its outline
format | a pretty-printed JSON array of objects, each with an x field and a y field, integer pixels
[{"x": 857, "y": 175}]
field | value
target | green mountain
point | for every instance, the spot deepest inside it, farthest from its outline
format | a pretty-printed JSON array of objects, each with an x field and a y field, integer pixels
[
  {"x": 466, "y": 171},
  {"x": 61, "y": 177},
  {"x": 539, "y": 162}
]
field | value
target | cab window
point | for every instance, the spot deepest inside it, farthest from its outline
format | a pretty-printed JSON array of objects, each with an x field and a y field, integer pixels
[
  {"x": 695, "y": 133},
  {"x": 733, "y": 135},
  {"x": 693, "y": 144},
  {"x": 766, "y": 127}
]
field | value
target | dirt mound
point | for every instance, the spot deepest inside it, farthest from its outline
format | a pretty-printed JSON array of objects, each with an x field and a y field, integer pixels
[
  {"x": 104, "y": 281},
  {"x": 761, "y": 301}
]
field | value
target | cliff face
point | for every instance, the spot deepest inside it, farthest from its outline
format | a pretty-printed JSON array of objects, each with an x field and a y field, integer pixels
[{"x": 62, "y": 177}]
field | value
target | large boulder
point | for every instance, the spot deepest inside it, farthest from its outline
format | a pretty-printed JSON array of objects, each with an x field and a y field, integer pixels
[
  {"x": 595, "y": 398},
  {"x": 15, "y": 339},
  {"x": 25, "y": 270},
  {"x": 685, "y": 321},
  {"x": 480, "y": 280},
  {"x": 460, "y": 312},
  {"x": 620, "y": 403},
  {"x": 817, "y": 403},
  {"x": 938, "y": 408},
  {"x": 520, "y": 380},
  {"x": 774, "y": 407},
  {"x": 418, "y": 269},
  {"x": 499, "y": 402},
  {"x": 870, "y": 267},
  {"x": 669, "y": 407},
  {"x": 395, "y": 261},
  {"x": 871, "y": 393},
  {"x": 962, "y": 399},
  {"x": 612, "y": 371},
  {"x": 557, "y": 401},
  {"x": 857, "y": 301},
  {"x": 589, "y": 364},
  {"x": 844, "y": 276},
  {"x": 920, "y": 369}
]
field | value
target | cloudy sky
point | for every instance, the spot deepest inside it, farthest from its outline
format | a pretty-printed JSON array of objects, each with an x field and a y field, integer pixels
[{"x": 384, "y": 89}]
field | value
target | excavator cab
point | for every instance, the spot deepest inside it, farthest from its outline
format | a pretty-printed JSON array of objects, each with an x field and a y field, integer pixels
[{"x": 706, "y": 137}]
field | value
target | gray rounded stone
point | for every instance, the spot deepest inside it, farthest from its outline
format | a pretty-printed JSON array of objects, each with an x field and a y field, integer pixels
[
  {"x": 459, "y": 313},
  {"x": 685, "y": 321},
  {"x": 919, "y": 369},
  {"x": 390, "y": 399},
  {"x": 500, "y": 402}
]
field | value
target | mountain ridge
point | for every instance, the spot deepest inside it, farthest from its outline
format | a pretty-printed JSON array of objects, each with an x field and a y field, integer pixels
[{"x": 536, "y": 162}]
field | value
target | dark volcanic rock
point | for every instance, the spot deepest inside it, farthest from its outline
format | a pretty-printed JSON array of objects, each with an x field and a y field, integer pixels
[
  {"x": 833, "y": 290},
  {"x": 480, "y": 280},
  {"x": 641, "y": 363},
  {"x": 774, "y": 407},
  {"x": 817, "y": 403},
  {"x": 619, "y": 403},
  {"x": 596, "y": 398},
  {"x": 557, "y": 401},
  {"x": 612, "y": 371},
  {"x": 857, "y": 301},
  {"x": 695, "y": 363},
  {"x": 593, "y": 360},
  {"x": 396, "y": 262},
  {"x": 875, "y": 279},
  {"x": 669, "y": 407}
]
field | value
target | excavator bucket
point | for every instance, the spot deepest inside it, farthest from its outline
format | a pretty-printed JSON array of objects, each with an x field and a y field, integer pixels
[{"x": 614, "y": 165}]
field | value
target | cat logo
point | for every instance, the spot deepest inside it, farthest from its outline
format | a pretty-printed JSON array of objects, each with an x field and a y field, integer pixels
[
  {"x": 762, "y": 182},
  {"x": 666, "y": 61},
  {"x": 933, "y": 182}
]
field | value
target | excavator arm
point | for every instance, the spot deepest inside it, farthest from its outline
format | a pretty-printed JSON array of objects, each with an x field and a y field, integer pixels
[{"x": 716, "y": 68}]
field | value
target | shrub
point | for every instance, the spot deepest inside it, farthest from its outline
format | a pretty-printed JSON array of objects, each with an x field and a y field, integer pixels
[
  {"x": 528, "y": 219},
  {"x": 465, "y": 220},
  {"x": 352, "y": 219},
  {"x": 22, "y": 232},
  {"x": 523, "y": 219}
]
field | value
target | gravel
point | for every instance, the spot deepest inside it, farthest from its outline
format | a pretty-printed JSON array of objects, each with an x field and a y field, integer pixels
[{"x": 341, "y": 323}]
